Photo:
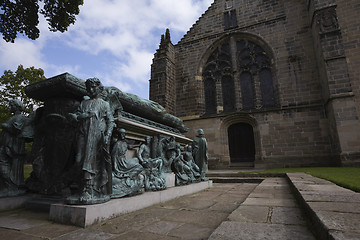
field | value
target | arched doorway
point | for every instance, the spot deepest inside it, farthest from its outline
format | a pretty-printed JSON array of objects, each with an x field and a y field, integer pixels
[{"x": 241, "y": 145}]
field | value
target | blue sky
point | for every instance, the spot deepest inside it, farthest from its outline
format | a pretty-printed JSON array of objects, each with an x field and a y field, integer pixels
[{"x": 112, "y": 40}]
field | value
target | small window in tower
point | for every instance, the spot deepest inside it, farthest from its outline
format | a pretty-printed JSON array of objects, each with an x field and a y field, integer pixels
[
  {"x": 228, "y": 4},
  {"x": 230, "y": 20}
]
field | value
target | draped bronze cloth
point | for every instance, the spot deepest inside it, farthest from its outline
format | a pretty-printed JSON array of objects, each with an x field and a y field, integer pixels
[
  {"x": 92, "y": 151},
  {"x": 200, "y": 152},
  {"x": 12, "y": 149}
]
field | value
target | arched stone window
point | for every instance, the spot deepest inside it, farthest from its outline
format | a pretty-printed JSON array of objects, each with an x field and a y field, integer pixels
[
  {"x": 238, "y": 76},
  {"x": 256, "y": 82},
  {"x": 218, "y": 81}
]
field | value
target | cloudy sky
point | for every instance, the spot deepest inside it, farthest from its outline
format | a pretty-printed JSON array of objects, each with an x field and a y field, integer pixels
[{"x": 112, "y": 40}]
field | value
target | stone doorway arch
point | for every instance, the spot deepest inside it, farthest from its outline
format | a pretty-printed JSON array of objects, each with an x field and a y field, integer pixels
[
  {"x": 241, "y": 144},
  {"x": 240, "y": 119}
]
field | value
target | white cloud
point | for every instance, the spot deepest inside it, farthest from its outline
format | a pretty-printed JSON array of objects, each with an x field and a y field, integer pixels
[
  {"x": 115, "y": 78},
  {"x": 23, "y": 51},
  {"x": 59, "y": 69},
  {"x": 109, "y": 25},
  {"x": 127, "y": 31},
  {"x": 137, "y": 67},
  {"x": 130, "y": 31}
]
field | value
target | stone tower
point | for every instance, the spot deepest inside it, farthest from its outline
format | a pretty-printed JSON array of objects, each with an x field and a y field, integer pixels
[
  {"x": 273, "y": 83},
  {"x": 162, "y": 82}
]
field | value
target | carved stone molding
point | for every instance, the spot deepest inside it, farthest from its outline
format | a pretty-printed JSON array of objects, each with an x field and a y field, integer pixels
[{"x": 327, "y": 20}]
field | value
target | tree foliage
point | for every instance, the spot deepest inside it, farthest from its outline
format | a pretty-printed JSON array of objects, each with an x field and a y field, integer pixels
[
  {"x": 12, "y": 85},
  {"x": 22, "y": 16}
]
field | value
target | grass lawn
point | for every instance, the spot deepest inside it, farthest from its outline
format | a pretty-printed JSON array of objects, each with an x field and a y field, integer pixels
[
  {"x": 347, "y": 177},
  {"x": 27, "y": 171}
]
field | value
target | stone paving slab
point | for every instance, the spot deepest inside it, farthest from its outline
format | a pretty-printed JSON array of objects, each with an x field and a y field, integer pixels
[
  {"x": 330, "y": 197},
  {"x": 203, "y": 218},
  {"x": 272, "y": 190},
  {"x": 86, "y": 215},
  {"x": 87, "y": 234},
  {"x": 285, "y": 215},
  {"x": 161, "y": 227},
  {"x": 344, "y": 207},
  {"x": 230, "y": 198},
  {"x": 270, "y": 202},
  {"x": 230, "y": 230},
  {"x": 334, "y": 212},
  {"x": 50, "y": 230},
  {"x": 135, "y": 235},
  {"x": 20, "y": 220},
  {"x": 257, "y": 214},
  {"x": 270, "y": 212},
  {"x": 340, "y": 221},
  {"x": 191, "y": 231},
  {"x": 181, "y": 218},
  {"x": 281, "y": 195},
  {"x": 225, "y": 207},
  {"x": 193, "y": 216},
  {"x": 321, "y": 188},
  {"x": 14, "y": 234},
  {"x": 133, "y": 221},
  {"x": 344, "y": 235},
  {"x": 226, "y": 211}
]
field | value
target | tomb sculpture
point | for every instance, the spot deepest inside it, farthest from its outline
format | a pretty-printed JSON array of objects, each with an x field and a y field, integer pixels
[{"x": 79, "y": 155}]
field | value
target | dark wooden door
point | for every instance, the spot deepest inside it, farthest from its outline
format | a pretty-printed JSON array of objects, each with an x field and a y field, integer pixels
[{"x": 241, "y": 143}]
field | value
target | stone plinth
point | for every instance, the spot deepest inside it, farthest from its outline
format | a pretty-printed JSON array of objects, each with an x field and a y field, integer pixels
[
  {"x": 86, "y": 215},
  {"x": 170, "y": 180}
]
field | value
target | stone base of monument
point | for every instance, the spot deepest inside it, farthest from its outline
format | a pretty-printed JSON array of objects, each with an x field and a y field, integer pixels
[
  {"x": 86, "y": 215},
  {"x": 10, "y": 203},
  {"x": 42, "y": 202},
  {"x": 170, "y": 180}
]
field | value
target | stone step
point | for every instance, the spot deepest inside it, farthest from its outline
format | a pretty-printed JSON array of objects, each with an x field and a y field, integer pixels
[
  {"x": 244, "y": 175},
  {"x": 235, "y": 180}
]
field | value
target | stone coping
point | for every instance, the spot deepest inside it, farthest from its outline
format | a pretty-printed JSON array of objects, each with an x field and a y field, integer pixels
[
  {"x": 86, "y": 215},
  {"x": 333, "y": 211}
]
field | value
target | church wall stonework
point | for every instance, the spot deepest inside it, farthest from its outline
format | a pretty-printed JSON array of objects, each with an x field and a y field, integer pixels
[
  {"x": 348, "y": 17},
  {"x": 286, "y": 33},
  {"x": 290, "y": 138},
  {"x": 313, "y": 47}
]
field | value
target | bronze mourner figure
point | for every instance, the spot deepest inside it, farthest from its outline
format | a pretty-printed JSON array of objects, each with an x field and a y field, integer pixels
[
  {"x": 92, "y": 154},
  {"x": 12, "y": 150},
  {"x": 200, "y": 153}
]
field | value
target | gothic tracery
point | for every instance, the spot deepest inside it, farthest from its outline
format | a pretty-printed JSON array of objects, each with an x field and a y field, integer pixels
[{"x": 252, "y": 70}]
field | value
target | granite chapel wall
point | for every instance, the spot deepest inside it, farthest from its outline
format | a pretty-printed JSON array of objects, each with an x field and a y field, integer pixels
[{"x": 286, "y": 68}]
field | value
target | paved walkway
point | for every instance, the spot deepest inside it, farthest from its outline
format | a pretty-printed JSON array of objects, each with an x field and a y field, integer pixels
[
  {"x": 226, "y": 211},
  {"x": 269, "y": 212},
  {"x": 193, "y": 216},
  {"x": 333, "y": 211}
]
